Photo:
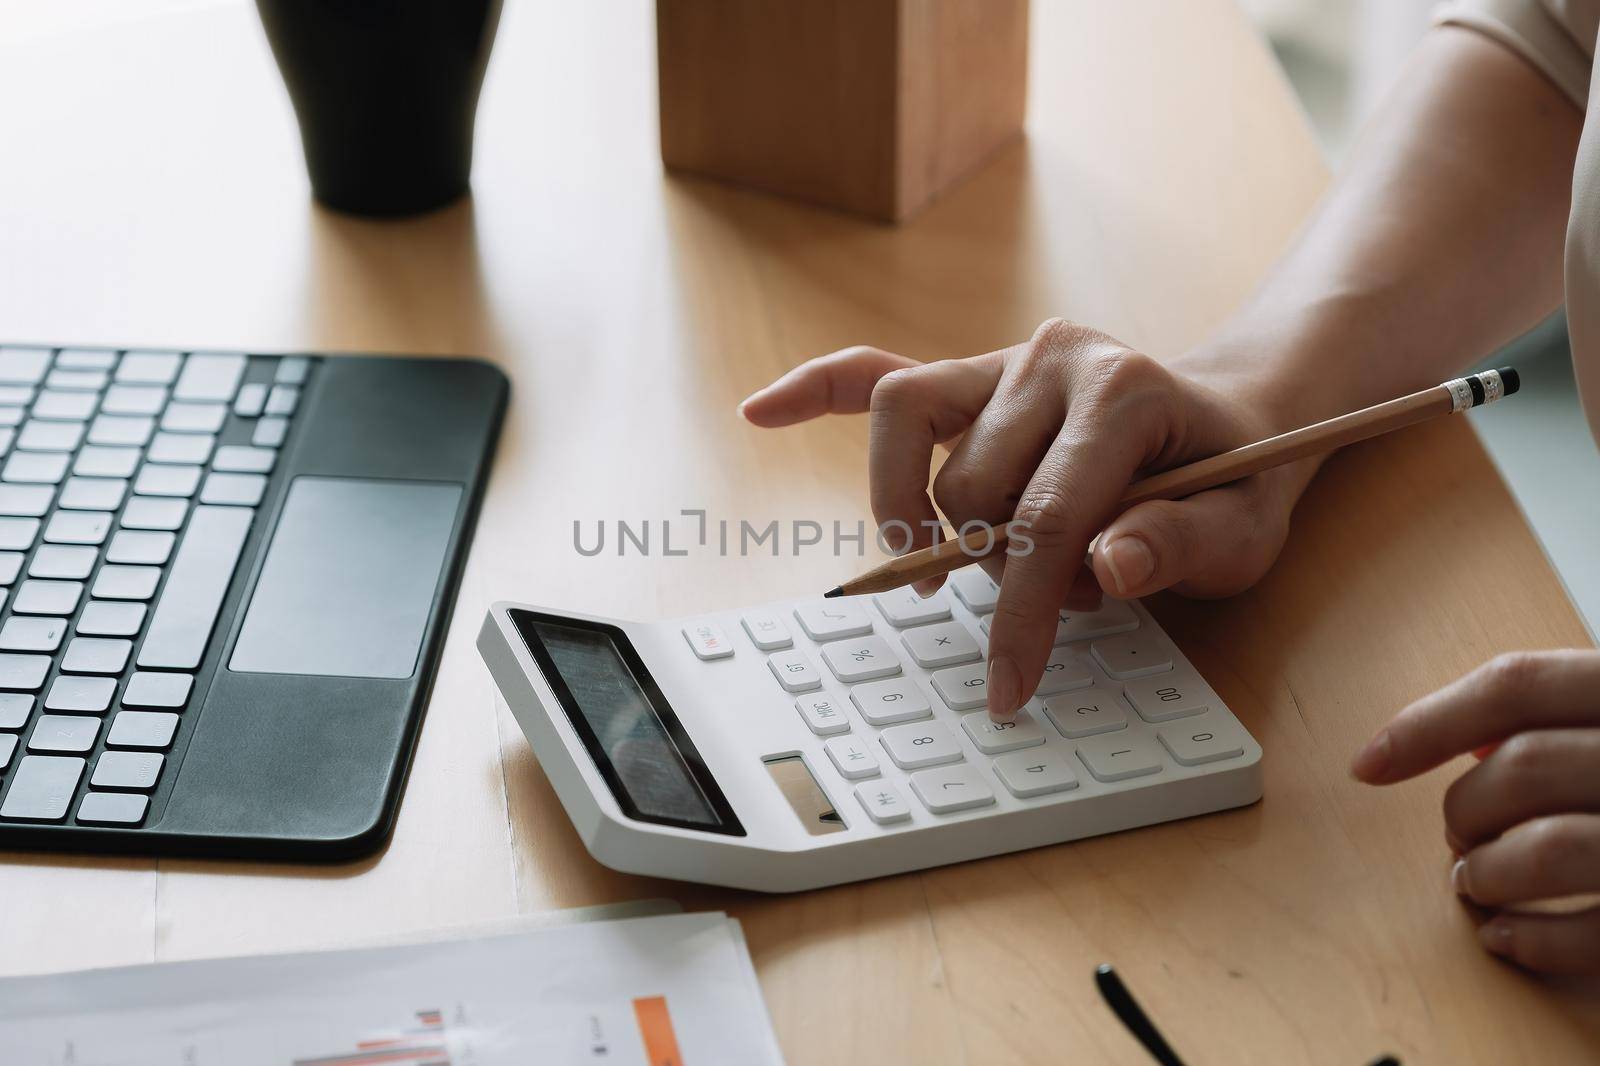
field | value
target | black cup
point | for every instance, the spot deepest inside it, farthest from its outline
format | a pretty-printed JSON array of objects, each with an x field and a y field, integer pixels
[{"x": 386, "y": 92}]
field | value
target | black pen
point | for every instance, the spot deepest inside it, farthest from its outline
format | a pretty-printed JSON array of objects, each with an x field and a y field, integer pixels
[{"x": 1128, "y": 1011}]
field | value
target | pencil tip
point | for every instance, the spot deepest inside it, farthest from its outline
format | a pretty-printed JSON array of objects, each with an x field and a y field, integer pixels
[{"x": 833, "y": 593}]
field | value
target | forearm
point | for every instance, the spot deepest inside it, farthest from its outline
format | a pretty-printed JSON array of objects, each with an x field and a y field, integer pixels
[{"x": 1441, "y": 240}]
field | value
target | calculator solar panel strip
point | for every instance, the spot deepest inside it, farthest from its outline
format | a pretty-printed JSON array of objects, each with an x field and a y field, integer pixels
[
  {"x": 224, "y": 585},
  {"x": 806, "y": 744}
]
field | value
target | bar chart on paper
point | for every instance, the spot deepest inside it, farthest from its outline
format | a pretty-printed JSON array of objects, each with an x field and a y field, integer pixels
[{"x": 425, "y": 1043}]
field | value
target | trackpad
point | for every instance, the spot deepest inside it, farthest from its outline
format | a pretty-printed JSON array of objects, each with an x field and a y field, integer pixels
[{"x": 349, "y": 579}]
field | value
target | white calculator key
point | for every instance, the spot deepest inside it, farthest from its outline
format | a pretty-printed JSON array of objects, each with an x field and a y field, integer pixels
[
  {"x": 1114, "y": 616},
  {"x": 823, "y": 714},
  {"x": 833, "y": 620},
  {"x": 906, "y": 607},
  {"x": 952, "y": 788},
  {"x": 767, "y": 631},
  {"x": 708, "y": 640},
  {"x": 794, "y": 671},
  {"x": 883, "y": 802},
  {"x": 1064, "y": 671},
  {"x": 975, "y": 589},
  {"x": 1118, "y": 756},
  {"x": 862, "y": 659},
  {"x": 852, "y": 757},
  {"x": 1162, "y": 698},
  {"x": 964, "y": 688},
  {"x": 1085, "y": 713},
  {"x": 1126, "y": 658},
  {"x": 920, "y": 744},
  {"x": 945, "y": 644},
  {"x": 995, "y": 738},
  {"x": 889, "y": 702},
  {"x": 1036, "y": 773},
  {"x": 1209, "y": 738}
]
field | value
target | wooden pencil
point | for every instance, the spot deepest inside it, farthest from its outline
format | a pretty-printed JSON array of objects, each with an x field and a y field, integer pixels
[{"x": 1459, "y": 394}]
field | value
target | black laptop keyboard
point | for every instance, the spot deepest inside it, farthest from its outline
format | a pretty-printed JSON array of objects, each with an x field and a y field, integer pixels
[{"x": 129, "y": 482}]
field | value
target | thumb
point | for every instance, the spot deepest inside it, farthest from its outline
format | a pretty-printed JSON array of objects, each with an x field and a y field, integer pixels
[{"x": 1215, "y": 543}]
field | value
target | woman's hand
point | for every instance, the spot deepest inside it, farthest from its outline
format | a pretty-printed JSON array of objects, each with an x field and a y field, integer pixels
[
  {"x": 1526, "y": 819},
  {"x": 1050, "y": 433}
]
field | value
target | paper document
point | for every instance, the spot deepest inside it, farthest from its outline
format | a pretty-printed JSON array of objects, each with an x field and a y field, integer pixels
[{"x": 673, "y": 990}]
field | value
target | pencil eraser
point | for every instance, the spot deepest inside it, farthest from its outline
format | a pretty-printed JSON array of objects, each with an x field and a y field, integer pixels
[{"x": 1509, "y": 379}]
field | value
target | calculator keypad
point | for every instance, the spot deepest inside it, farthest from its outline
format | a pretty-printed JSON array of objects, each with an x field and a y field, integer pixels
[{"x": 833, "y": 620}]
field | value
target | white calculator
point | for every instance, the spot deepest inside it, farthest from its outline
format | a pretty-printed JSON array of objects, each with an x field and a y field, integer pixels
[{"x": 804, "y": 744}]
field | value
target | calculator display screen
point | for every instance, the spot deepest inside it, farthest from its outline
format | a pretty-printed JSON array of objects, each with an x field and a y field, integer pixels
[{"x": 634, "y": 738}]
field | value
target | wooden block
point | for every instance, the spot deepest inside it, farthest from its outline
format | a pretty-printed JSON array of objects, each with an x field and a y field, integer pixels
[{"x": 872, "y": 106}]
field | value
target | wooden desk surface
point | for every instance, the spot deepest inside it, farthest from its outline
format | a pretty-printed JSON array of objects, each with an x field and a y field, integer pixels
[{"x": 152, "y": 193}]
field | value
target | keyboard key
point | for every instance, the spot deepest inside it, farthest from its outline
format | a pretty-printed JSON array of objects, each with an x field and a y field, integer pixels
[
  {"x": 862, "y": 659},
  {"x": 9, "y": 417},
  {"x": 8, "y": 748},
  {"x": 1161, "y": 699},
  {"x": 1114, "y": 616},
  {"x": 86, "y": 359},
  {"x": 708, "y": 640},
  {"x": 96, "y": 655},
  {"x": 64, "y": 734},
  {"x": 1085, "y": 713},
  {"x": 149, "y": 368},
  {"x": 181, "y": 625},
  {"x": 270, "y": 433},
  {"x": 1126, "y": 658},
  {"x": 17, "y": 534},
  {"x": 43, "y": 787},
  {"x": 93, "y": 493},
  {"x": 157, "y": 691},
  {"x": 906, "y": 607},
  {"x": 28, "y": 501},
  {"x": 21, "y": 633},
  {"x": 882, "y": 801},
  {"x": 237, "y": 490},
  {"x": 945, "y": 644},
  {"x": 292, "y": 370},
  {"x": 974, "y": 589},
  {"x": 244, "y": 460},
  {"x": 85, "y": 694},
  {"x": 23, "y": 366},
  {"x": 952, "y": 788},
  {"x": 126, "y": 582},
  {"x": 167, "y": 480},
  {"x": 65, "y": 406},
  {"x": 68, "y": 562},
  {"x": 1036, "y": 773},
  {"x": 127, "y": 770},
  {"x": 1063, "y": 672},
  {"x": 963, "y": 687},
  {"x": 132, "y": 546},
  {"x": 6, "y": 436},
  {"x": 47, "y": 597},
  {"x": 282, "y": 400},
  {"x": 23, "y": 673},
  {"x": 994, "y": 738},
  {"x": 98, "y": 460},
  {"x": 766, "y": 630},
  {"x": 134, "y": 430},
  {"x": 193, "y": 417},
  {"x": 823, "y": 714},
  {"x": 251, "y": 399},
  {"x": 16, "y": 396},
  {"x": 852, "y": 757},
  {"x": 39, "y": 436},
  {"x": 110, "y": 618},
  {"x": 77, "y": 527},
  {"x": 889, "y": 702},
  {"x": 134, "y": 400},
  {"x": 151, "y": 730},
  {"x": 1209, "y": 738},
  {"x": 87, "y": 380},
  {"x": 794, "y": 671},
  {"x": 112, "y": 808},
  {"x": 14, "y": 709},
  {"x": 920, "y": 744},
  {"x": 1119, "y": 756},
  {"x": 39, "y": 468},
  {"x": 10, "y": 566},
  {"x": 209, "y": 377},
  {"x": 193, "y": 448},
  {"x": 153, "y": 512},
  {"x": 833, "y": 620}
]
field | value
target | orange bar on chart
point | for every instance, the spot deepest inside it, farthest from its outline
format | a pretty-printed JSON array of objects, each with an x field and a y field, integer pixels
[{"x": 655, "y": 1026}]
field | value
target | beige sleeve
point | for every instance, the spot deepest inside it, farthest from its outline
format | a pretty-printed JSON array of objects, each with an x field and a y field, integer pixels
[{"x": 1553, "y": 43}]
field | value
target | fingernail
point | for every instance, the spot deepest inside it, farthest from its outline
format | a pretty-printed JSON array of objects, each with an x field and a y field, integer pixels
[
  {"x": 925, "y": 588},
  {"x": 1496, "y": 937},
  {"x": 1130, "y": 562},
  {"x": 1458, "y": 878},
  {"x": 1003, "y": 686},
  {"x": 1373, "y": 759}
]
